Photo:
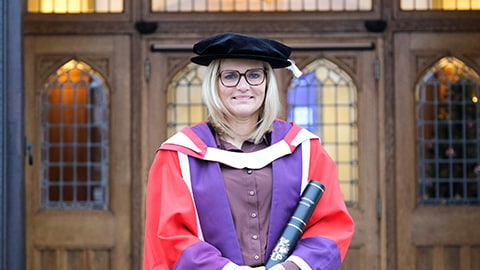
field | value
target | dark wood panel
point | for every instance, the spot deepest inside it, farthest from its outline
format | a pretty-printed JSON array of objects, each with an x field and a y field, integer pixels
[
  {"x": 76, "y": 259},
  {"x": 73, "y": 259},
  {"x": 355, "y": 259},
  {"x": 475, "y": 257},
  {"x": 47, "y": 259},
  {"x": 100, "y": 259},
  {"x": 424, "y": 258},
  {"x": 446, "y": 225}
]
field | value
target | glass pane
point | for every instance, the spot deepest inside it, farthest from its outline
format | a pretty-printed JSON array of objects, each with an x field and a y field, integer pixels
[
  {"x": 324, "y": 100},
  {"x": 184, "y": 105},
  {"x": 75, "y": 6},
  {"x": 448, "y": 160},
  {"x": 75, "y": 141},
  {"x": 440, "y": 4},
  {"x": 259, "y": 5}
]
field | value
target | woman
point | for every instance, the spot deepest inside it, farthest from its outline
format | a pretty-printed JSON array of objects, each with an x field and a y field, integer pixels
[{"x": 221, "y": 192}]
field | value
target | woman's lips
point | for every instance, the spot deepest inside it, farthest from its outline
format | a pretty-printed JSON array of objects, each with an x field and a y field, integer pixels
[{"x": 242, "y": 97}]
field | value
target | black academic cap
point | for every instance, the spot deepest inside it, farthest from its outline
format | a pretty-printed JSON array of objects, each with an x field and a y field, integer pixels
[{"x": 233, "y": 45}]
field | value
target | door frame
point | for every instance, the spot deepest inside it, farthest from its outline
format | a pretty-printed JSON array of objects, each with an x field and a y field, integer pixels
[
  {"x": 106, "y": 230},
  {"x": 415, "y": 52}
]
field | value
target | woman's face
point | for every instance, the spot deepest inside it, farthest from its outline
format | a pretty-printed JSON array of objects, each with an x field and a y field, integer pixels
[{"x": 243, "y": 100}]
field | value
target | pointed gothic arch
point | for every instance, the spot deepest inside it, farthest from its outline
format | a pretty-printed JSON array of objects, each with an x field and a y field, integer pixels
[
  {"x": 184, "y": 98},
  {"x": 75, "y": 126},
  {"x": 448, "y": 134},
  {"x": 324, "y": 100}
]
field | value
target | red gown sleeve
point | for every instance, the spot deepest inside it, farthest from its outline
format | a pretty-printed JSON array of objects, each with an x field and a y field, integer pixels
[
  {"x": 170, "y": 224},
  {"x": 328, "y": 232}
]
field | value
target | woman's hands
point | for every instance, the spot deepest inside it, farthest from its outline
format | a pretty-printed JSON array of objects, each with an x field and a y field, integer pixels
[{"x": 275, "y": 267}]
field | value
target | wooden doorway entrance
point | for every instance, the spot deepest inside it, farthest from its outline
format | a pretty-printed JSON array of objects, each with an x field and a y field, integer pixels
[
  {"x": 77, "y": 123},
  {"x": 175, "y": 84},
  {"x": 437, "y": 142}
]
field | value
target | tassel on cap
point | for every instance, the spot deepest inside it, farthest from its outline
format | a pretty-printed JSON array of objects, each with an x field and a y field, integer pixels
[{"x": 294, "y": 69}]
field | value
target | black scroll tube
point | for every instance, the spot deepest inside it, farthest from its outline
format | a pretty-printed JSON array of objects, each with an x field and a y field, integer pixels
[{"x": 294, "y": 229}]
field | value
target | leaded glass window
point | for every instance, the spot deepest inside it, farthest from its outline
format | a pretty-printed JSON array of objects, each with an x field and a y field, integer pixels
[
  {"x": 324, "y": 101},
  {"x": 448, "y": 140},
  {"x": 332, "y": 114},
  {"x": 440, "y": 4},
  {"x": 75, "y": 6},
  {"x": 75, "y": 139},
  {"x": 259, "y": 5},
  {"x": 184, "y": 105}
]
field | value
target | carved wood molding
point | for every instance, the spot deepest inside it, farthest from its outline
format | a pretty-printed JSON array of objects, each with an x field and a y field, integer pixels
[
  {"x": 426, "y": 60},
  {"x": 101, "y": 64},
  {"x": 46, "y": 65},
  {"x": 472, "y": 60},
  {"x": 349, "y": 62},
  {"x": 175, "y": 64}
]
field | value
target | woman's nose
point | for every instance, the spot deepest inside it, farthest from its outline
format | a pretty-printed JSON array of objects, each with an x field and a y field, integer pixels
[{"x": 243, "y": 84}]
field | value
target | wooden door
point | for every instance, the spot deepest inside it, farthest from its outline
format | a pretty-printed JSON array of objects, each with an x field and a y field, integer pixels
[
  {"x": 363, "y": 188},
  {"x": 170, "y": 68},
  {"x": 437, "y": 200},
  {"x": 77, "y": 122}
]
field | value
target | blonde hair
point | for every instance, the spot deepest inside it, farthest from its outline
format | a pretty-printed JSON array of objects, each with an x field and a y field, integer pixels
[{"x": 218, "y": 115}]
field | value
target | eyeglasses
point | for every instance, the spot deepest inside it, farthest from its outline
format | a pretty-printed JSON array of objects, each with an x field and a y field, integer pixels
[{"x": 231, "y": 78}]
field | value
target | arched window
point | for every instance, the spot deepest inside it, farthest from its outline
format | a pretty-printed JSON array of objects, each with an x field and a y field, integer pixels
[
  {"x": 75, "y": 138},
  {"x": 324, "y": 101},
  {"x": 448, "y": 134},
  {"x": 184, "y": 101}
]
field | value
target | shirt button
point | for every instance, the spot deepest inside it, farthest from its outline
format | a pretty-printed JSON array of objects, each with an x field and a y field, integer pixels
[
  {"x": 253, "y": 215},
  {"x": 250, "y": 171},
  {"x": 256, "y": 257},
  {"x": 251, "y": 192},
  {"x": 255, "y": 237}
]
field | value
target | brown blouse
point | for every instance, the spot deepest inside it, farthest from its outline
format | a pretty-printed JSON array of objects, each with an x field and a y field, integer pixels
[{"x": 250, "y": 194}]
